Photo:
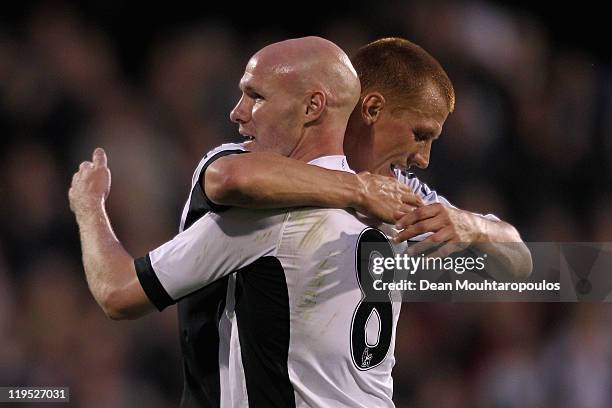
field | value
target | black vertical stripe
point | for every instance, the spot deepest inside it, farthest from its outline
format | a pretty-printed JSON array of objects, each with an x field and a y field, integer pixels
[
  {"x": 198, "y": 315},
  {"x": 262, "y": 313}
]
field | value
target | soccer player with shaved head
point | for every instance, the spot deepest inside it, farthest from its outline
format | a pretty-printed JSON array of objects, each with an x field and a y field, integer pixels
[{"x": 271, "y": 302}]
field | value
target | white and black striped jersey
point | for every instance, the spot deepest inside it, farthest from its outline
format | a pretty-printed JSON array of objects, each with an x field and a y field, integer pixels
[
  {"x": 199, "y": 313},
  {"x": 297, "y": 327},
  {"x": 203, "y": 314}
]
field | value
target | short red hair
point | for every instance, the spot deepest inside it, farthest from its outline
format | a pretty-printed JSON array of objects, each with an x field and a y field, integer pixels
[{"x": 401, "y": 71}]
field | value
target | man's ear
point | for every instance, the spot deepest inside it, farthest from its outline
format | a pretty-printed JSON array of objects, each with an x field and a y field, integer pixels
[
  {"x": 315, "y": 105},
  {"x": 371, "y": 107}
]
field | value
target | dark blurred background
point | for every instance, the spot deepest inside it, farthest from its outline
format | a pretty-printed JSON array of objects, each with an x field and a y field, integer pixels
[{"x": 530, "y": 140}]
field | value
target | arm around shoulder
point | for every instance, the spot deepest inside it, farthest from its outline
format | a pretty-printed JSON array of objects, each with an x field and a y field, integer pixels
[{"x": 268, "y": 180}]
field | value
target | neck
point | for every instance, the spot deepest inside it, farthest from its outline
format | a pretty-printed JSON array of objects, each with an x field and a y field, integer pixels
[
  {"x": 317, "y": 142},
  {"x": 358, "y": 144}
]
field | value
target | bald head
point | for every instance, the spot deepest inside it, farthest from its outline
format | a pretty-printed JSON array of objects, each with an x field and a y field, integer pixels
[
  {"x": 312, "y": 64},
  {"x": 297, "y": 97}
]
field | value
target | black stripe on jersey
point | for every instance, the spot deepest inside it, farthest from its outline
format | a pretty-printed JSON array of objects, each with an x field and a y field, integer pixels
[
  {"x": 151, "y": 284},
  {"x": 199, "y": 203},
  {"x": 262, "y": 315},
  {"x": 199, "y": 314}
]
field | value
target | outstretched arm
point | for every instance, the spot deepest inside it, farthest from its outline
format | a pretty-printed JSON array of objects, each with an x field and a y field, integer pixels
[
  {"x": 109, "y": 269},
  {"x": 268, "y": 180}
]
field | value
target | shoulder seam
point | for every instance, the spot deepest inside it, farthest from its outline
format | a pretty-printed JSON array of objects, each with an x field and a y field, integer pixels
[{"x": 281, "y": 233}]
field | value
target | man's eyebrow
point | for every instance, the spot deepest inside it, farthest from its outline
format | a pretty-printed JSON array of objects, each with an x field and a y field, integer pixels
[
  {"x": 425, "y": 131},
  {"x": 247, "y": 89},
  {"x": 430, "y": 131}
]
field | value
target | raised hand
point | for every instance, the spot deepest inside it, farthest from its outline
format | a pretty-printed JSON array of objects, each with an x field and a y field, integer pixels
[{"x": 91, "y": 184}]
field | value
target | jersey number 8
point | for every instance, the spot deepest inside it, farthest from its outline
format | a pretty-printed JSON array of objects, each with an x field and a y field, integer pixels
[{"x": 373, "y": 304}]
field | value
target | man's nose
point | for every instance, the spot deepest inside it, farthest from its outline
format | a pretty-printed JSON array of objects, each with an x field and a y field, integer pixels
[
  {"x": 421, "y": 159},
  {"x": 239, "y": 113}
]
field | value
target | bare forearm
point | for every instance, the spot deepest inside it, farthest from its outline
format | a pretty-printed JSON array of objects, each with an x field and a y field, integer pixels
[
  {"x": 110, "y": 270},
  {"x": 506, "y": 252},
  {"x": 273, "y": 181},
  {"x": 108, "y": 267}
]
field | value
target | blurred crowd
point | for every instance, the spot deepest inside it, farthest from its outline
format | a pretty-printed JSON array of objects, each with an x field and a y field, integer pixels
[{"x": 530, "y": 141}]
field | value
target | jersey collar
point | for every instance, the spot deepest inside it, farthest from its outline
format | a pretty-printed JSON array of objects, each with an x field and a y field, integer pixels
[{"x": 334, "y": 162}]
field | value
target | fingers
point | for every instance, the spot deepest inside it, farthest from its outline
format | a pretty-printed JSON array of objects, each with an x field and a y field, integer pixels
[
  {"x": 99, "y": 157},
  {"x": 404, "y": 209},
  {"x": 408, "y": 196},
  {"x": 85, "y": 165},
  {"x": 419, "y": 214},
  {"x": 421, "y": 227},
  {"x": 429, "y": 243},
  {"x": 412, "y": 199},
  {"x": 99, "y": 160}
]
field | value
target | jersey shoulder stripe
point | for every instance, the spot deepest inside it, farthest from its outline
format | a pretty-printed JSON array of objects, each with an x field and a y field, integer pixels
[{"x": 198, "y": 203}]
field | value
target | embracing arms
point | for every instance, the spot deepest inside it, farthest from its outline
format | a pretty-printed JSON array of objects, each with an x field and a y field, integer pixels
[{"x": 267, "y": 180}]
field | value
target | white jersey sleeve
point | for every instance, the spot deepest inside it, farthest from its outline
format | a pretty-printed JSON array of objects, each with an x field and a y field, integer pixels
[
  {"x": 214, "y": 246},
  {"x": 428, "y": 195}
]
